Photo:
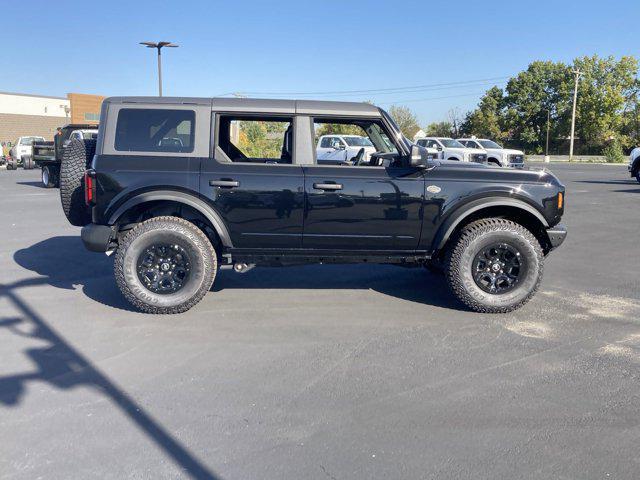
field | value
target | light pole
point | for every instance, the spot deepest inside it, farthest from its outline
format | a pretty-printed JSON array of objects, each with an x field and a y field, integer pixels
[
  {"x": 159, "y": 46},
  {"x": 573, "y": 113}
]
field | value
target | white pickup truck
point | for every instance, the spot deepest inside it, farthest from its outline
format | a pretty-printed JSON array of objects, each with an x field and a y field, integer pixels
[
  {"x": 342, "y": 148},
  {"x": 23, "y": 147},
  {"x": 496, "y": 153},
  {"x": 445, "y": 148}
]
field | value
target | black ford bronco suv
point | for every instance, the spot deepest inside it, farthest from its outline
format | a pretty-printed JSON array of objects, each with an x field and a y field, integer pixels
[{"x": 179, "y": 187}]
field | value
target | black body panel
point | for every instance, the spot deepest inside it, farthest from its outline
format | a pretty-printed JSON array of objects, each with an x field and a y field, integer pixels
[{"x": 373, "y": 208}]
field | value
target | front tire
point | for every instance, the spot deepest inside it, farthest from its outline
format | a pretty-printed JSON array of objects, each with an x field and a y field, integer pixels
[
  {"x": 494, "y": 266},
  {"x": 165, "y": 265},
  {"x": 638, "y": 175}
]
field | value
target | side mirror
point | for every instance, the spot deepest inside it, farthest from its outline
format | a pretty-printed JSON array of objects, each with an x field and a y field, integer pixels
[
  {"x": 419, "y": 156},
  {"x": 439, "y": 147}
]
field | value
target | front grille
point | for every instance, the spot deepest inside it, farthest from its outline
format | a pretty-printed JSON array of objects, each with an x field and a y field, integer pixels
[
  {"x": 478, "y": 158},
  {"x": 516, "y": 158}
]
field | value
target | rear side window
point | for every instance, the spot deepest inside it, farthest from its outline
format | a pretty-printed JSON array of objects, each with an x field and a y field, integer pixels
[{"x": 155, "y": 130}]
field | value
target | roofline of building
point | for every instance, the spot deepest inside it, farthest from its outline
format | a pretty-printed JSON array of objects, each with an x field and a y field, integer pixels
[{"x": 33, "y": 95}]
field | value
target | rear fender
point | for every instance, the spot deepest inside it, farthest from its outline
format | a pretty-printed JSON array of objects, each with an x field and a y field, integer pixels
[{"x": 179, "y": 197}]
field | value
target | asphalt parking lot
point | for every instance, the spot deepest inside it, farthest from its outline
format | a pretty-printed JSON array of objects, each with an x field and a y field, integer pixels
[{"x": 321, "y": 372}]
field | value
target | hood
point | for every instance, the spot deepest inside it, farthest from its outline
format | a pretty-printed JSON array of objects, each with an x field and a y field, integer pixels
[
  {"x": 530, "y": 175},
  {"x": 510, "y": 151}
]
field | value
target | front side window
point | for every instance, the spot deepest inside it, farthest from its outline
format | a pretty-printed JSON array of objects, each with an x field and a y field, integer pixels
[
  {"x": 326, "y": 142},
  {"x": 366, "y": 142},
  {"x": 358, "y": 141},
  {"x": 449, "y": 143},
  {"x": 489, "y": 144},
  {"x": 253, "y": 139},
  {"x": 155, "y": 130},
  {"x": 428, "y": 143}
]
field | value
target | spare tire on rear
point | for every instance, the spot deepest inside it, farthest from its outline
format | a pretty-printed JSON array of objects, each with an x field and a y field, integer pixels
[{"x": 76, "y": 159}]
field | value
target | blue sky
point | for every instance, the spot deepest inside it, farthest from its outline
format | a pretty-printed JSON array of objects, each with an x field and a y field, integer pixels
[{"x": 286, "y": 47}]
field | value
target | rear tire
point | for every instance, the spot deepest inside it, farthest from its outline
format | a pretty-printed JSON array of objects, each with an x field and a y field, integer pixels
[
  {"x": 165, "y": 265},
  {"x": 49, "y": 176},
  {"x": 12, "y": 164},
  {"x": 76, "y": 158},
  {"x": 27, "y": 162},
  {"x": 494, "y": 266}
]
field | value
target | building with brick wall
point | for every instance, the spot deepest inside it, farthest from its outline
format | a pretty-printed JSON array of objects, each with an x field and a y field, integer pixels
[{"x": 39, "y": 115}]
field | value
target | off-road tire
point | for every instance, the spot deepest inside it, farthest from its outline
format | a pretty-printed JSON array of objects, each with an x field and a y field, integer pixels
[
  {"x": 49, "y": 176},
  {"x": 637, "y": 174},
  {"x": 12, "y": 164},
  {"x": 76, "y": 159},
  {"x": 469, "y": 242},
  {"x": 203, "y": 262},
  {"x": 27, "y": 162}
]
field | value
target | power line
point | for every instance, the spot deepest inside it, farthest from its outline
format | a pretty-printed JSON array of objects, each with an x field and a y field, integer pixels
[
  {"x": 406, "y": 89},
  {"x": 411, "y": 100}
]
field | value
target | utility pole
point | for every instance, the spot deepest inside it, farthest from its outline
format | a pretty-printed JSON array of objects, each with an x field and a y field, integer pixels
[
  {"x": 546, "y": 150},
  {"x": 159, "y": 46},
  {"x": 573, "y": 114}
]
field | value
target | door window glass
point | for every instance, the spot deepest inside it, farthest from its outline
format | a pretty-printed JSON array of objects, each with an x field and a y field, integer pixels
[
  {"x": 256, "y": 139},
  {"x": 155, "y": 130},
  {"x": 366, "y": 143}
]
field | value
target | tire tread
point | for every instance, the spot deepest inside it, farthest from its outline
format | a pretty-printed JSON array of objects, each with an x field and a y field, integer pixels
[
  {"x": 160, "y": 223},
  {"x": 462, "y": 241}
]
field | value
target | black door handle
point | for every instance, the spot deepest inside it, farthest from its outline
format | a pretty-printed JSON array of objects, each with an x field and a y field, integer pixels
[
  {"x": 224, "y": 183},
  {"x": 327, "y": 186}
]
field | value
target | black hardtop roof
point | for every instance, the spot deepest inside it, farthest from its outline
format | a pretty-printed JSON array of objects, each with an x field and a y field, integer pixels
[{"x": 257, "y": 105}]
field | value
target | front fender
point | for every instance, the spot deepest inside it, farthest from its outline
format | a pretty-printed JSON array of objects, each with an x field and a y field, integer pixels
[{"x": 448, "y": 226}]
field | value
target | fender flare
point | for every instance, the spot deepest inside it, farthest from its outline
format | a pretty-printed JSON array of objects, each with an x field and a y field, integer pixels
[
  {"x": 457, "y": 216},
  {"x": 179, "y": 197}
]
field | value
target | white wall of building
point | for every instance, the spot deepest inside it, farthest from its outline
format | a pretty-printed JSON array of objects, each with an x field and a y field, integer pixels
[{"x": 33, "y": 105}]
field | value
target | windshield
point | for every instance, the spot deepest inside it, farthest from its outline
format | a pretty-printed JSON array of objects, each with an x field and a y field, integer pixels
[
  {"x": 30, "y": 140},
  {"x": 449, "y": 143},
  {"x": 489, "y": 144},
  {"x": 358, "y": 141}
]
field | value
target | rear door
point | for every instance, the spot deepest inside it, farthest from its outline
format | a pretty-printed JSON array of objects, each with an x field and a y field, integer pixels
[
  {"x": 372, "y": 205},
  {"x": 253, "y": 182}
]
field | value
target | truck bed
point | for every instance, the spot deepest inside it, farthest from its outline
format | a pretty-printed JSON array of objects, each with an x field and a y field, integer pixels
[{"x": 44, "y": 152}]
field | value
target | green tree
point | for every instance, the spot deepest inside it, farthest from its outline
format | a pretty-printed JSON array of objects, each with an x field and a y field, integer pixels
[
  {"x": 439, "y": 129},
  {"x": 487, "y": 120},
  {"x": 406, "y": 120},
  {"x": 338, "y": 129},
  {"x": 605, "y": 89},
  {"x": 545, "y": 88}
]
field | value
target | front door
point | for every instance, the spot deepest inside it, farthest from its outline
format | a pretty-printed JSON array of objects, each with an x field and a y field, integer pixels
[
  {"x": 372, "y": 204},
  {"x": 253, "y": 182}
]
